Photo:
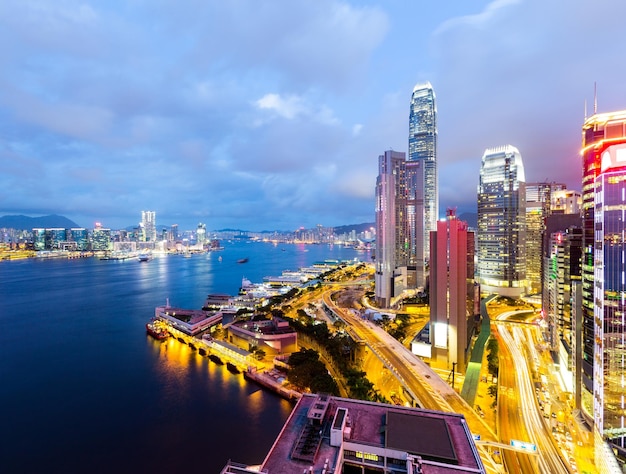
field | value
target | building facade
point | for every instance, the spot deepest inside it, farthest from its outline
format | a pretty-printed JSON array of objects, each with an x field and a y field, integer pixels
[
  {"x": 101, "y": 239},
  {"x": 561, "y": 275},
  {"x": 148, "y": 224},
  {"x": 538, "y": 208},
  {"x": 603, "y": 274},
  {"x": 391, "y": 224},
  {"x": 502, "y": 222},
  {"x": 451, "y": 290},
  {"x": 423, "y": 150}
]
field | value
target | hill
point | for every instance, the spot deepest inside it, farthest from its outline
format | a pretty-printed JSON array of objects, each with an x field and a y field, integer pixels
[
  {"x": 27, "y": 223},
  {"x": 344, "y": 229}
]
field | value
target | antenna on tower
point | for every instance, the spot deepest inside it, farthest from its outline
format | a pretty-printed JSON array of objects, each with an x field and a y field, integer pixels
[
  {"x": 585, "y": 109},
  {"x": 595, "y": 98}
]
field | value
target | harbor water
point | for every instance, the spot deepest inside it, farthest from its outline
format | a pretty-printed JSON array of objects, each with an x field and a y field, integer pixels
[{"x": 84, "y": 389}]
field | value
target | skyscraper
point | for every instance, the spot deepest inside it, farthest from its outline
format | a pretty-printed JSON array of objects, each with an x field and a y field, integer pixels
[
  {"x": 603, "y": 274},
  {"x": 148, "y": 224},
  {"x": 423, "y": 150},
  {"x": 502, "y": 222},
  {"x": 391, "y": 241},
  {"x": 452, "y": 287},
  {"x": 538, "y": 208}
]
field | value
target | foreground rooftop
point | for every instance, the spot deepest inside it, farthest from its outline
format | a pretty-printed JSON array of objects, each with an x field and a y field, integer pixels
[{"x": 326, "y": 434}]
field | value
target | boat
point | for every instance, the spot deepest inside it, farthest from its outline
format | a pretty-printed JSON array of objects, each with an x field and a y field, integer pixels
[
  {"x": 156, "y": 331},
  {"x": 143, "y": 257},
  {"x": 232, "y": 368},
  {"x": 242, "y": 260},
  {"x": 216, "y": 359}
]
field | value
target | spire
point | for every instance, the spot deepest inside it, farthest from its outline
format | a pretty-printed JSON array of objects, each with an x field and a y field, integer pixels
[{"x": 595, "y": 98}]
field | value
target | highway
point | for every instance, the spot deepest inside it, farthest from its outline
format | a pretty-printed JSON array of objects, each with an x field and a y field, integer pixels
[
  {"x": 519, "y": 415},
  {"x": 428, "y": 388}
]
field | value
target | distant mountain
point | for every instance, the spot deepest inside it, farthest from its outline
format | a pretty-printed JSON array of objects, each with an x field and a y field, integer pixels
[{"x": 28, "y": 223}]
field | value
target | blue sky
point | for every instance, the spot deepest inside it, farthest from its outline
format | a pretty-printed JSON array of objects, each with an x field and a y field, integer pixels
[{"x": 272, "y": 114}]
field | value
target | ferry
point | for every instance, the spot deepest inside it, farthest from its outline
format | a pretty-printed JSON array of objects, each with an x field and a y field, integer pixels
[
  {"x": 156, "y": 331},
  {"x": 143, "y": 257}
]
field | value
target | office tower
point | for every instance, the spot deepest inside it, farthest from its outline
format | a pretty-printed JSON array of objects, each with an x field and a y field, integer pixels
[
  {"x": 561, "y": 272},
  {"x": 173, "y": 235},
  {"x": 502, "y": 222},
  {"x": 538, "y": 208},
  {"x": 451, "y": 290},
  {"x": 423, "y": 150},
  {"x": 39, "y": 239},
  {"x": 201, "y": 234},
  {"x": 415, "y": 226},
  {"x": 565, "y": 201},
  {"x": 80, "y": 236},
  {"x": 54, "y": 238},
  {"x": 101, "y": 238},
  {"x": 603, "y": 274},
  {"x": 148, "y": 224},
  {"x": 391, "y": 233}
]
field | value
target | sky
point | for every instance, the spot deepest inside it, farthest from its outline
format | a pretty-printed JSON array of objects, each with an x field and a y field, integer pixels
[{"x": 271, "y": 115}]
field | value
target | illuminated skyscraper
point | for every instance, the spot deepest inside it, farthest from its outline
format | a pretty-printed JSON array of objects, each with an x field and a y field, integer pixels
[
  {"x": 101, "y": 238},
  {"x": 423, "y": 150},
  {"x": 148, "y": 224},
  {"x": 538, "y": 201},
  {"x": 603, "y": 274},
  {"x": 391, "y": 232},
  {"x": 502, "y": 222}
]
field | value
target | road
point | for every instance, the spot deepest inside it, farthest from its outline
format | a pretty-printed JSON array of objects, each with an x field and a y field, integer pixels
[
  {"x": 427, "y": 387},
  {"x": 519, "y": 415}
]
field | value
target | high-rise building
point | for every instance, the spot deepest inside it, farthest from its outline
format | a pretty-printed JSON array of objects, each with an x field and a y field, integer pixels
[
  {"x": 201, "y": 234},
  {"x": 603, "y": 274},
  {"x": 502, "y": 222},
  {"x": 101, "y": 238},
  {"x": 148, "y": 224},
  {"x": 538, "y": 208},
  {"x": 39, "y": 239},
  {"x": 423, "y": 150},
  {"x": 55, "y": 237},
  {"x": 452, "y": 288},
  {"x": 80, "y": 236},
  {"x": 391, "y": 224},
  {"x": 560, "y": 293},
  {"x": 565, "y": 201}
]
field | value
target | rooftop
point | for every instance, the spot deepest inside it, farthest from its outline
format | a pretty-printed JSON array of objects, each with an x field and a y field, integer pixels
[{"x": 372, "y": 434}]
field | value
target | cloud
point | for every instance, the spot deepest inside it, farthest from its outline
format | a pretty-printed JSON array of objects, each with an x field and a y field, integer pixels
[
  {"x": 519, "y": 73},
  {"x": 288, "y": 107}
]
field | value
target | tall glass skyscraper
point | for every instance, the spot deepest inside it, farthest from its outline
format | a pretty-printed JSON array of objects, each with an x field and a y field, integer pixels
[
  {"x": 604, "y": 275},
  {"x": 502, "y": 222},
  {"x": 423, "y": 150}
]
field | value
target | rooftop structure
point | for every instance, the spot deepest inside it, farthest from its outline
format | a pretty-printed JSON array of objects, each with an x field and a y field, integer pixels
[
  {"x": 275, "y": 336},
  {"x": 326, "y": 434},
  {"x": 188, "y": 321}
]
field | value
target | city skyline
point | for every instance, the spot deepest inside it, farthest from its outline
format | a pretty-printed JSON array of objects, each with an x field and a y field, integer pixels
[{"x": 109, "y": 110}]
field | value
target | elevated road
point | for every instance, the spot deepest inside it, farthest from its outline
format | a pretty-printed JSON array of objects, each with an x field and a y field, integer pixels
[{"x": 419, "y": 380}]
